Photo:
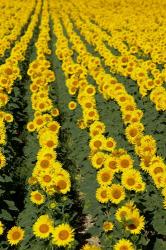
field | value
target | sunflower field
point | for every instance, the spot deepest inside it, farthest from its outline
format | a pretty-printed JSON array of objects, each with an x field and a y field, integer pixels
[{"x": 83, "y": 125}]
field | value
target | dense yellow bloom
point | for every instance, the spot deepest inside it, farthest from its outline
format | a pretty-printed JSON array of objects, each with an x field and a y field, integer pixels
[
  {"x": 108, "y": 226},
  {"x": 104, "y": 176},
  {"x": 1, "y": 228},
  {"x": 63, "y": 235},
  {"x": 117, "y": 193},
  {"x": 43, "y": 227},
  {"x": 15, "y": 235},
  {"x": 90, "y": 247},
  {"x": 123, "y": 244},
  {"x": 98, "y": 159},
  {"x": 37, "y": 198},
  {"x": 103, "y": 194}
]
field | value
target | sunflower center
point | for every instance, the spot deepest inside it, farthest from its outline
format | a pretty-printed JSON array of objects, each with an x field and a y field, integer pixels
[
  {"x": 123, "y": 248},
  {"x": 63, "y": 235},
  {"x": 44, "y": 164},
  {"x": 133, "y": 132},
  {"x": 16, "y": 235},
  {"x": 96, "y": 132},
  {"x": 130, "y": 181},
  {"x": 105, "y": 177},
  {"x": 44, "y": 228},
  {"x": 91, "y": 113},
  {"x": 122, "y": 99},
  {"x": 50, "y": 144},
  {"x": 99, "y": 161},
  {"x": 134, "y": 224},
  {"x": 104, "y": 194},
  {"x": 41, "y": 105},
  {"x": 116, "y": 194},
  {"x": 110, "y": 144},
  {"x": 53, "y": 127},
  {"x": 47, "y": 178},
  {"x": 37, "y": 197},
  {"x": 61, "y": 184},
  {"x": 88, "y": 105},
  {"x": 8, "y": 71},
  {"x": 123, "y": 214},
  {"x": 124, "y": 163},
  {"x": 158, "y": 170},
  {"x": 112, "y": 164},
  {"x": 39, "y": 121},
  {"x": 97, "y": 144}
]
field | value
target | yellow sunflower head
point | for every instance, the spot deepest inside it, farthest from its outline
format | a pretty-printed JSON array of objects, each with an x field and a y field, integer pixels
[
  {"x": 43, "y": 227},
  {"x": 63, "y": 235},
  {"x": 15, "y": 235}
]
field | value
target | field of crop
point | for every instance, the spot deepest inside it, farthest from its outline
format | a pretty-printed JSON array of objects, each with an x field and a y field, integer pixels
[{"x": 82, "y": 125}]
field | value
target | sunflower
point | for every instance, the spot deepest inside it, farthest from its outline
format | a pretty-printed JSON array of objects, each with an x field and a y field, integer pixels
[
  {"x": 1, "y": 228},
  {"x": 90, "y": 90},
  {"x": 37, "y": 198},
  {"x": 157, "y": 168},
  {"x": 46, "y": 179},
  {"x": 46, "y": 153},
  {"x": 103, "y": 194},
  {"x": 63, "y": 235},
  {"x": 97, "y": 143},
  {"x": 104, "y": 176},
  {"x": 2, "y": 160},
  {"x": 62, "y": 184},
  {"x": 43, "y": 227},
  {"x": 91, "y": 115},
  {"x": 31, "y": 127},
  {"x": 54, "y": 126},
  {"x": 90, "y": 247},
  {"x": 98, "y": 160},
  {"x": 164, "y": 204},
  {"x": 72, "y": 105},
  {"x": 123, "y": 244},
  {"x": 133, "y": 131},
  {"x": 97, "y": 125},
  {"x": 135, "y": 223},
  {"x": 111, "y": 162},
  {"x": 117, "y": 193},
  {"x": 125, "y": 162},
  {"x": 131, "y": 178},
  {"x": 15, "y": 235},
  {"x": 2, "y": 136},
  {"x": 107, "y": 226},
  {"x": 55, "y": 112},
  {"x": 109, "y": 144},
  {"x": 122, "y": 213},
  {"x": 8, "y": 117}
]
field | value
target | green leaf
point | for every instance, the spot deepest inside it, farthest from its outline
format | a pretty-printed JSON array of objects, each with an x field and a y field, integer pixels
[
  {"x": 5, "y": 215},
  {"x": 160, "y": 245},
  {"x": 11, "y": 205},
  {"x": 159, "y": 222}
]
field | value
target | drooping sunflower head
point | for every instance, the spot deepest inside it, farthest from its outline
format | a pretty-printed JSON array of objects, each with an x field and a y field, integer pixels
[{"x": 136, "y": 223}]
